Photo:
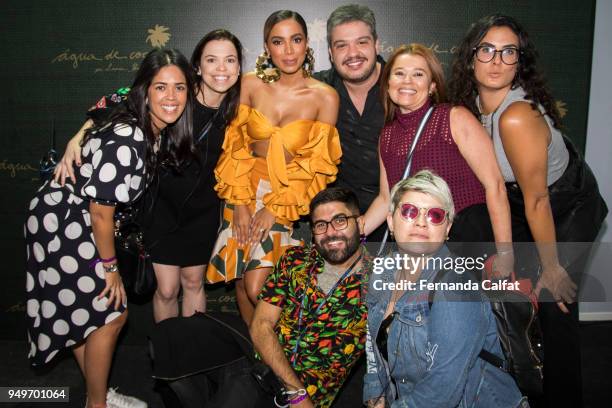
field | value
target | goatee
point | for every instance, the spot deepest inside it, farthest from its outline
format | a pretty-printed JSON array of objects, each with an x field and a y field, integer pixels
[{"x": 340, "y": 255}]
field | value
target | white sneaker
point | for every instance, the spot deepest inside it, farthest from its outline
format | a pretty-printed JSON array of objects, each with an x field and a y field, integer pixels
[{"x": 116, "y": 400}]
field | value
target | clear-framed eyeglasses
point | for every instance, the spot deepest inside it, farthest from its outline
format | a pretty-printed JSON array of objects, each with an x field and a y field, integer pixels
[
  {"x": 339, "y": 223},
  {"x": 486, "y": 53}
]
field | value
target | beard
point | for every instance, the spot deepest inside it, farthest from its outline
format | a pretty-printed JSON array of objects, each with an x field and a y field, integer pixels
[
  {"x": 339, "y": 255},
  {"x": 363, "y": 77}
]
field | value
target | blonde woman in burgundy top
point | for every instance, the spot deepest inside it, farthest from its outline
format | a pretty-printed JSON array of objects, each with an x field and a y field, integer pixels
[{"x": 453, "y": 145}]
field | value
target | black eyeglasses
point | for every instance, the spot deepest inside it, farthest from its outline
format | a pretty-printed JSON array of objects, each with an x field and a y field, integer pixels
[
  {"x": 339, "y": 222},
  {"x": 486, "y": 53}
]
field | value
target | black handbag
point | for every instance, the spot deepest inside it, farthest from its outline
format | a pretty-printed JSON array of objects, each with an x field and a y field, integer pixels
[
  {"x": 135, "y": 265},
  {"x": 263, "y": 381},
  {"x": 519, "y": 333},
  {"x": 521, "y": 340},
  {"x": 231, "y": 377}
]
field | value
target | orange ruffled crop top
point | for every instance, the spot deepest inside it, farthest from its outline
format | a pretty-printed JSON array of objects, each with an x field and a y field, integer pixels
[{"x": 314, "y": 146}]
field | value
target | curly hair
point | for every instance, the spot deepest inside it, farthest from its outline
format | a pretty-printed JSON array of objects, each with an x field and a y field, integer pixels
[{"x": 463, "y": 87}]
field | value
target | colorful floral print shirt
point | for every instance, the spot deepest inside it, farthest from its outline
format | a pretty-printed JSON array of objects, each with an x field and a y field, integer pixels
[{"x": 333, "y": 327}]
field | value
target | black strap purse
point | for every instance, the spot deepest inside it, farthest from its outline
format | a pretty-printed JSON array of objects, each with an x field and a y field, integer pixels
[
  {"x": 135, "y": 265},
  {"x": 519, "y": 332}
]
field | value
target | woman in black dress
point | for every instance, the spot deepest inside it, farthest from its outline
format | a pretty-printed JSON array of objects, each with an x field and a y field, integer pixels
[
  {"x": 75, "y": 296},
  {"x": 180, "y": 229},
  {"x": 186, "y": 216}
]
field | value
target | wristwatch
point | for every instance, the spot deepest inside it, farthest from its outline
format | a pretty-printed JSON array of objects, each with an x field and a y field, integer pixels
[{"x": 111, "y": 268}]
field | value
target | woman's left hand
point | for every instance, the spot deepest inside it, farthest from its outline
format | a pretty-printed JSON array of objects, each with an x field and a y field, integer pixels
[
  {"x": 559, "y": 284},
  {"x": 503, "y": 265},
  {"x": 114, "y": 288},
  {"x": 261, "y": 223}
]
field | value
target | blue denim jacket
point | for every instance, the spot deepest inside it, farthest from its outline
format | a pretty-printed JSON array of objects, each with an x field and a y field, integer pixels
[{"x": 433, "y": 354}]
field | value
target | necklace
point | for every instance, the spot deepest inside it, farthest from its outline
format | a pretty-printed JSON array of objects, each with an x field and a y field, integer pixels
[
  {"x": 483, "y": 117},
  {"x": 201, "y": 92}
]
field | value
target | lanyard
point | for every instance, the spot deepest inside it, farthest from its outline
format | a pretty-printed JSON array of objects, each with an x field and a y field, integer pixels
[
  {"x": 324, "y": 301},
  {"x": 408, "y": 165}
]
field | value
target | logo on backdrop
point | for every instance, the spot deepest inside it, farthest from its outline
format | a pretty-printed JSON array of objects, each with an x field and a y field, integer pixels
[
  {"x": 158, "y": 36},
  {"x": 113, "y": 60}
]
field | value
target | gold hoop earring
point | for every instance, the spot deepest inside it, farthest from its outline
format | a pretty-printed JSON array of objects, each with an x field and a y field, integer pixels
[
  {"x": 263, "y": 62},
  {"x": 308, "y": 65}
]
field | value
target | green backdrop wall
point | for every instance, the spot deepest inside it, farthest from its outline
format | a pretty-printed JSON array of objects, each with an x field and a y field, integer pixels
[{"x": 59, "y": 57}]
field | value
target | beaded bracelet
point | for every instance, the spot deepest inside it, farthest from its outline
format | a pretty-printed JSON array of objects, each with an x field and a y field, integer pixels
[{"x": 298, "y": 399}]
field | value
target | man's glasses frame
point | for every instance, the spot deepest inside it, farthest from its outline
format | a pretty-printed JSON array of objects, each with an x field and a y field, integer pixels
[{"x": 339, "y": 223}]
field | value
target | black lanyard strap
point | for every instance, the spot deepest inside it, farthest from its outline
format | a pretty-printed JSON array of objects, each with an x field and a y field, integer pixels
[{"x": 324, "y": 301}]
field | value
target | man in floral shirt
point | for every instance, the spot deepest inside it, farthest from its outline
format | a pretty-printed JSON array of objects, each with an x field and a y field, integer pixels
[{"x": 310, "y": 323}]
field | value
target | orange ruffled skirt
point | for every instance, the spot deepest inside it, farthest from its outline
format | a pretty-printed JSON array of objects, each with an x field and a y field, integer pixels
[{"x": 230, "y": 261}]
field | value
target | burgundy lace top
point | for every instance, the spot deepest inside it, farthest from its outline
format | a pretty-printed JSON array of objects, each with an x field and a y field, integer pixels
[{"x": 436, "y": 151}]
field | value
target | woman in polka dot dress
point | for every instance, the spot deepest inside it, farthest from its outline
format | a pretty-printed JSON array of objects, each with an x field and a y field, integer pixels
[{"x": 75, "y": 297}]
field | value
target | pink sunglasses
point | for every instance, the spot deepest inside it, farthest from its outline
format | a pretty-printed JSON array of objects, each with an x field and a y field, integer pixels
[{"x": 434, "y": 215}]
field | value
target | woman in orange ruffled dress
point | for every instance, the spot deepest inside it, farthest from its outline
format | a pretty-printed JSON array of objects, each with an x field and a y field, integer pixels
[{"x": 281, "y": 150}]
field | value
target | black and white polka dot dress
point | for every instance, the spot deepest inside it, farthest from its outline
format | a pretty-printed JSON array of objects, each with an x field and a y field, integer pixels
[{"x": 61, "y": 283}]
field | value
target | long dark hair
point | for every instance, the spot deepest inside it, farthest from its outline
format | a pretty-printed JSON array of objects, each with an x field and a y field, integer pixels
[
  {"x": 229, "y": 104},
  {"x": 437, "y": 76},
  {"x": 282, "y": 15},
  {"x": 462, "y": 85},
  {"x": 179, "y": 145}
]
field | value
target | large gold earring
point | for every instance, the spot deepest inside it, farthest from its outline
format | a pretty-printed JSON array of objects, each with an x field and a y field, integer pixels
[
  {"x": 263, "y": 62},
  {"x": 308, "y": 65}
]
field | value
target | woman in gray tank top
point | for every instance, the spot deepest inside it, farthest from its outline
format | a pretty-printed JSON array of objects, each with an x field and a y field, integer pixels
[{"x": 552, "y": 192}]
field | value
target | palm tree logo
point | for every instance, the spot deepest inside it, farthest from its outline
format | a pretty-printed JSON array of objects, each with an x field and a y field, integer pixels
[
  {"x": 317, "y": 34},
  {"x": 561, "y": 108},
  {"x": 158, "y": 36}
]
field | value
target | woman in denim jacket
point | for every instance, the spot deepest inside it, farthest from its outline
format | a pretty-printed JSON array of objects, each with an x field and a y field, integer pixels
[{"x": 419, "y": 357}]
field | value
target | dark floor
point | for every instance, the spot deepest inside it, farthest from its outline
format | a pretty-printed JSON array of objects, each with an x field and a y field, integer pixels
[{"x": 131, "y": 372}]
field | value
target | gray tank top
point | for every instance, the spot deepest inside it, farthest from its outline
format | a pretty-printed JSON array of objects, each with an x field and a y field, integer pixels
[{"x": 558, "y": 156}]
